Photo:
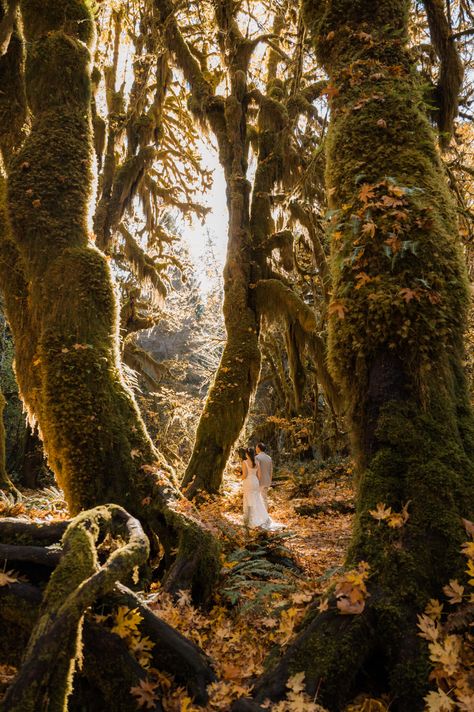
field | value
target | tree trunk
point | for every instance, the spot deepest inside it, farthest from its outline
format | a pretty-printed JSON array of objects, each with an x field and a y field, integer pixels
[
  {"x": 228, "y": 400},
  {"x": 396, "y": 329},
  {"x": 63, "y": 309}
]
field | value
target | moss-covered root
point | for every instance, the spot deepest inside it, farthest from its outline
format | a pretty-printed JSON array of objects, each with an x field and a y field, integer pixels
[
  {"x": 331, "y": 651},
  {"x": 45, "y": 678},
  {"x": 342, "y": 655}
]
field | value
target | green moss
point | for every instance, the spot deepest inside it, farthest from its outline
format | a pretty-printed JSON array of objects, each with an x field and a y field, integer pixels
[
  {"x": 43, "y": 16},
  {"x": 398, "y": 310}
]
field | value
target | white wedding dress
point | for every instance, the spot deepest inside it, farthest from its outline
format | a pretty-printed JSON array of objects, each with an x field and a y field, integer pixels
[{"x": 255, "y": 512}]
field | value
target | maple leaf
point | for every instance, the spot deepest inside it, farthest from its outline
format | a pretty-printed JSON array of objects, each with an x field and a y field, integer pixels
[
  {"x": 337, "y": 307},
  {"x": 186, "y": 704},
  {"x": 470, "y": 571},
  {"x": 381, "y": 512},
  {"x": 296, "y": 682},
  {"x": 363, "y": 279},
  {"x": 454, "y": 592},
  {"x": 324, "y": 605},
  {"x": 434, "y": 609},
  {"x": 409, "y": 294},
  {"x": 126, "y": 621},
  {"x": 366, "y": 192},
  {"x": 184, "y": 598},
  {"x": 428, "y": 628},
  {"x": 134, "y": 454},
  {"x": 145, "y": 693},
  {"x": 8, "y": 577},
  {"x": 381, "y": 123},
  {"x": 394, "y": 244},
  {"x": 301, "y": 597},
  {"x": 447, "y": 653},
  {"x": 396, "y": 520},
  {"x": 438, "y": 702},
  {"x": 389, "y": 202}
]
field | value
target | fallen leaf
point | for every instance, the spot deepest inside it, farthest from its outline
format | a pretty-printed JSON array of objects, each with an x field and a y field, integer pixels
[
  {"x": 145, "y": 693},
  {"x": 454, "y": 592},
  {"x": 381, "y": 512},
  {"x": 8, "y": 577},
  {"x": 366, "y": 192},
  {"x": 409, "y": 294},
  {"x": 438, "y": 702}
]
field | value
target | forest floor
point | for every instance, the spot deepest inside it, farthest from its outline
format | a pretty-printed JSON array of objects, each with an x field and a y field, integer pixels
[{"x": 269, "y": 581}]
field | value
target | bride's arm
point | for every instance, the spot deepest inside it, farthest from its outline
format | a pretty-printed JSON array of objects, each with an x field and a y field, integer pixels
[
  {"x": 259, "y": 472},
  {"x": 244, "y": 469}
]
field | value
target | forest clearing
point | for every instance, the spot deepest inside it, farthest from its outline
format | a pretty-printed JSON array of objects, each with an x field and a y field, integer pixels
[{"x": 243, "y": 486}]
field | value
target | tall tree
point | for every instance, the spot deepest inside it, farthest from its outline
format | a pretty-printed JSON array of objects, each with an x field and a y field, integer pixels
[
  {"x": 398, "y": 313},
  {"x": 67, "y": 348},
  {"x": 259, "y": 109}
]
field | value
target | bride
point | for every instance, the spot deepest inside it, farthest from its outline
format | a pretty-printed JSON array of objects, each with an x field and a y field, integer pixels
[{"x": 255, "y": 512}]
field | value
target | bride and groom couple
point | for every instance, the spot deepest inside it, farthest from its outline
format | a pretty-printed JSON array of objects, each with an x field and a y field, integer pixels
[{"x": 257, "y": 472}]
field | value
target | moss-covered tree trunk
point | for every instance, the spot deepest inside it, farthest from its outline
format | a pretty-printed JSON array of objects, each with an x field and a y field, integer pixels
[
  {"x": 228, "y": 399},
  {"x": 63, "y": 308},
  {"x": 396, "y": 347}
]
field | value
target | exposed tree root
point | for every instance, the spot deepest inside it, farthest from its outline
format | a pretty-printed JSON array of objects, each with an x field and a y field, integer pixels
[
  {"x": 344, "y": 655},
  {"x": 62, "y": 643},
  {"x": 173, "y": 653},
  {"x": 12, "y": 528}
]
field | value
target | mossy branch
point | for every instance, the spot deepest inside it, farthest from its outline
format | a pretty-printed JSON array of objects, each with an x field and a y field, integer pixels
[
  {"x": 46, "y": 675},
  {"x": 201, "y": 89},
  {"x": 274, "y": 300},
  {"x": 7, "y": 25},
  {"x": 143, "y": 266}
]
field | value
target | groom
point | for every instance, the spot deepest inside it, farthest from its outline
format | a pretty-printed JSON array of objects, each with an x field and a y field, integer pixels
[{"x": 266, "y": 470}]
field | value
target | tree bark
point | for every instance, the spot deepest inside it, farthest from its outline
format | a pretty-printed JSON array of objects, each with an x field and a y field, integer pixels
[
  {"x": 62, "y": 305},
  {"x": 398, "y": 312}
]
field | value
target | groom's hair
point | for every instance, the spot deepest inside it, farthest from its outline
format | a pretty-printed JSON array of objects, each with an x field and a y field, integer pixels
[{"x": 262, "y": 446}]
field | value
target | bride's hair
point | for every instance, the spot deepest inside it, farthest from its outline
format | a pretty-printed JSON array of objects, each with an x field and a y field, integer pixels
[{"x": 251, "y": 454}]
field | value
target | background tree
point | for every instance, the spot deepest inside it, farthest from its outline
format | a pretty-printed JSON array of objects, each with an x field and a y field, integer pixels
[{"x": 262, "y": 110}]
